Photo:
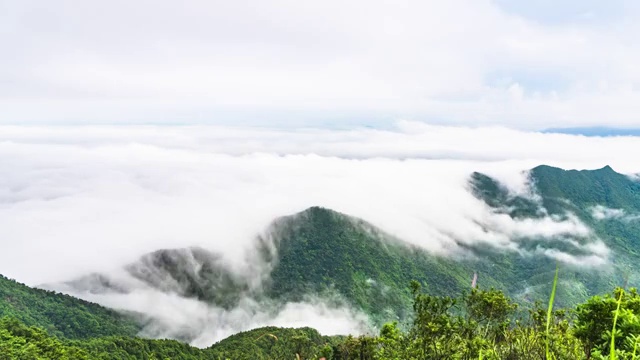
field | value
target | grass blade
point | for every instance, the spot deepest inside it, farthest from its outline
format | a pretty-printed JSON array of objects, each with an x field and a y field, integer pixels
[
  {"x": 550, "y": 311},
  {"x": 612, "y": 348}
]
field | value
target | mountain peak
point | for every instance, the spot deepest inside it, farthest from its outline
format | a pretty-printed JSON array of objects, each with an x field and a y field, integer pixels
[
  {"x": 317, "y": 213},
  {"x": 606, "y": 168},
  {"x": 318, "y": 210}
]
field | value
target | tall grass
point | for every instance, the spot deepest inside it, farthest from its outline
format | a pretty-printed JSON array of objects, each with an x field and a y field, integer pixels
[
  {"x": 550, "y": 313},
  {"x": 612, "y": 348}
]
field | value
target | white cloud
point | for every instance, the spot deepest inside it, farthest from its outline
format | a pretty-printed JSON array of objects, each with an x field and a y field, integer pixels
[
  {"x": 77, "y": 199},
  {"x": 171, "y": 316},
  {"x": 594, "y": 260},
  {"x": 213, "y": 61},
  {"x": 600, "y": 212}
]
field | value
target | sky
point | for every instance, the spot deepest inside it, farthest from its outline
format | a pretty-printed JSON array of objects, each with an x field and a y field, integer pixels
[{"x": 330, "y": 64}]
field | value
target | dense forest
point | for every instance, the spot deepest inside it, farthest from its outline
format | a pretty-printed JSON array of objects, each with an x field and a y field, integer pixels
[
  {"x": 61, "y": 315},
  {"x": 477, "y": 324}
]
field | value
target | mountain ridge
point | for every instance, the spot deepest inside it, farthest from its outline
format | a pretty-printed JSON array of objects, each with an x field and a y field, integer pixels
[
  {"x": 347, "y": 261},
  {"x": 60, "y": 314}
]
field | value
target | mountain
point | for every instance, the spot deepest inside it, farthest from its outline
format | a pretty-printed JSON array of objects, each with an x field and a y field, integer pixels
[
  {"x": 583, "y": 189},
  {"x": 190, "y": 272},
  {"x": 320, "y": 250},
  {"x": 347, "y": 262},
  {"x": 41, "y": 324},
  {"x": 317, "y": 253},
  {"x": 19, "y": 341},
  {"x": 606, "y": 202},
  {"x": 321, "y": 253},
  {"x": 61, "y": 315}
]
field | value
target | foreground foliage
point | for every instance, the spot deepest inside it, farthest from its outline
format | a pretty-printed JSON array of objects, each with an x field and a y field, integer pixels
[
  {"x": 480, "y": 324},
  {"x": 19, "y": 341}
]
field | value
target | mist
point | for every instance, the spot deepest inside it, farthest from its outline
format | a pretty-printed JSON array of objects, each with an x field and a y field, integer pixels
[
  {"x": 86, "y": 199},
  {"x": 168, "y": 315}
]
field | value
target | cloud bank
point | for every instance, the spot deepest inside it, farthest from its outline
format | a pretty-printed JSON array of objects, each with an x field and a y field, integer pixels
[
  {"x": 95, "y": 197},
  {"x": 168, "y": 315},
  {"x": 77, "y": 200},
  {"x": 600, "y": 213}
]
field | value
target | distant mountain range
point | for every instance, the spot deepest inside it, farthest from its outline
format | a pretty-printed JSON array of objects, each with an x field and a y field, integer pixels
[{"x": 345, "y": 260}]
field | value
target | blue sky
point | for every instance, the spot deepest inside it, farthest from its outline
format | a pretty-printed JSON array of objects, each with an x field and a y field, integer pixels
[
  {"x": 521, "y": 64},
  {"x": 552, "y": 12}
]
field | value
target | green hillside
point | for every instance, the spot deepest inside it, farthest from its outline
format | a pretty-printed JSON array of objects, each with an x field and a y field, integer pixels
[
  {"x": 476, "y": 325},
  {"x": 576, "y": 192},
  {"x": 40, "y": 324},
  {"x": 323, "y": 251},
  {"x": 61, "y": 315},
  {"x": 275, "y": 343},
  {"x": 586, "y": 189},
  {"x": 19, "y": 341},
  {"x": 320, "y": 250},
  {"x": 562, "y": 193}
]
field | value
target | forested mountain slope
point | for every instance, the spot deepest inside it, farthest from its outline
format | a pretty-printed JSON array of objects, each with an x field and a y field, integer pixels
[
  {"x": 477, "y": 324},
  {"x": 321, "y": 250},
  {"x": 606, "y": 202},
  {"x": 346, "y": 261},
  {"x": 61, "y": 315},
  {"x": 318, "y": 252}
]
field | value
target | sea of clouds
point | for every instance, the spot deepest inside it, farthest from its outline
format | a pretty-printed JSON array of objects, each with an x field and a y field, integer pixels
[{"x": 82, "y": 199}]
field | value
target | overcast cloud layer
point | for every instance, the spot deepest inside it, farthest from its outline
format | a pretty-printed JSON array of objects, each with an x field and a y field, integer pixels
[{"x": 526, "y": 64}]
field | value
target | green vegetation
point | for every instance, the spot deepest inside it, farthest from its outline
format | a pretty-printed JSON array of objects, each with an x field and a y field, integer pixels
[
  {"x": 121, "y": 348},
  {"x": 61, "y": 315},
  {"x": 586, "y": 188},
  {"x": 480, "y": 324},
  {"x": 275, "y": 343},
  {"x": 326, "y": 253},
  {"x": 550, "y": 313},
  {"x": 562, "y": 193},
  {"x": 19, "y": 341},
  {"x": 322, "y": 251}
]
